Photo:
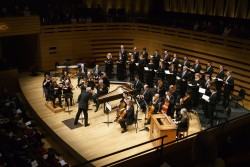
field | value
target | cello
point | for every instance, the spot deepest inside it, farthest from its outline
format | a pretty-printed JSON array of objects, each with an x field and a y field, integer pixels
[
  {"x": 150, "y": 112},
  {"x": 121, "y": 115},
  {"x": 164, "y": 108},
  {"x": 119, "y": 110}
]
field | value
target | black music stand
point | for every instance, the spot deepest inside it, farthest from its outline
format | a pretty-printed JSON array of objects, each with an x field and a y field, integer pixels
[{"x": 107, "y": 108}]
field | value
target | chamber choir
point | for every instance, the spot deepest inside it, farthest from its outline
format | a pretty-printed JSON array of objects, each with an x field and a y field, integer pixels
[{"x": 163, "y": 83}]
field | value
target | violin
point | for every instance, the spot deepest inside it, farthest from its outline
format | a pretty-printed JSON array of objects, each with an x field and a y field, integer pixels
[{"x": 184, "y": 99}]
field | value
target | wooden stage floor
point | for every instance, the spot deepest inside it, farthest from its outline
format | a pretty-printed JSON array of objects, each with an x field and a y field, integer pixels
[{"x": 96, "y": 140}]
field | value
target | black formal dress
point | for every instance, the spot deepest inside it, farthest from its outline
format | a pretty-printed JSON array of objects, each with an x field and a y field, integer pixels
[
  {"x": 228, "y": 88},
  {"x": 211, "y": 107},
  {"x": 183, "y": 84},
  {"x": 132, "y": 68},
  {"x": 166, "y": 59},
  {"x": 120, "y": 70},
  {"x": 156, "y": 60},
  {"x": 145, "y": 56},
  {"x": 136, "y": 56},
  {"x": 141, "y": 65},
  {"x": 109, "y": 67},
  {"x": 175, "y": 61},
  {"x": 56, "y": 92},
  {"x": 219, "y": 83}
]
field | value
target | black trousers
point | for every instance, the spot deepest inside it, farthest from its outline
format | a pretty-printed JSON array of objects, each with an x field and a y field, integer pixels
[
  {"x": 123, "y": 124},
  {"x": 85, "y": 113}
]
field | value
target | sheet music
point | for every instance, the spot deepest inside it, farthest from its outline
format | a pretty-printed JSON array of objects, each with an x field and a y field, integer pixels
[
  {"x": 178, "y": 78},
  {"x": 205, "y": 97},
  {"x": 202, "y": 90},
  {"x": 221, "y": 80},
  {"x": 146, "y": 68},
  {"x": 62, "y": 162},
  {"x": 137, "y": 64},
  {"x": 168, "y": 72},
  {"x": 108, "y": 106}
]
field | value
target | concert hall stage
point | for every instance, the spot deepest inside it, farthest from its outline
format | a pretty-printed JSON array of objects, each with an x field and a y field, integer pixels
[{"x": 93, "y": 141}]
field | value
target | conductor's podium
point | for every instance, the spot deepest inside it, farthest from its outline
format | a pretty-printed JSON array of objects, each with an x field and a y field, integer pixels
[
  {"x": 49, "y": 105},
  {"x": 162, "y": 125}
]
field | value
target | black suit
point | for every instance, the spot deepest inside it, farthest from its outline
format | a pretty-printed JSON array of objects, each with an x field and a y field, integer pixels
[
  {"x": 109, "y": 67},
  {"x": 185, "y": 63},
  {"x": 209, "y": 70},
  {"x": 219, "y": 84},
  {"x": 96, "y": 72},
  {"x": 138, "y": 85},
  {"x": 128, "y": 119},
  {"x": 132, "y": 68},
  {"x": 142, "y": 64},
  {"x": 156, "y": 60},
  {"x": 175, "y": 61},
  {"x": 81, "y": 73},
  {"x": 166, "y": 59},
  {"x": 124, "y": 58},
  {"x": 197, "y": 68},
  {"x": 83, "y": 106},
  {"x": 145, "y": 56},
  {"x": 136, "y": 56},
  {"x": 183, "y": 84},
  {"x": 211, "y": 107},
  {"x": 228, "y": 88}
]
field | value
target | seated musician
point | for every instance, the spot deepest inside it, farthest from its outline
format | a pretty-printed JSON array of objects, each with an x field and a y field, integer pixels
[
  {"x": 145, "y": 98},
  {"x": 67, "y": 91},
  {"x": 81, "y": 73},
  {"x": 65, "y": 77},
  {"x": 160, "y": 88},
  {"x": 171, "y": 96},
  {"x": 96, "y": 71},
  {"x": 90, "y": 80},
  {"x": 137, "y": 84},
  {"x": 154, "y": 107},
  {"x": 185, "y": 102},
  {"x": 56, "y": 92},
  {"x": 46, "y": 87},
  {"x": 182, "y": 122},
  {"x": 83, "y": 85},
  {"x": 128, "y": 117},
  {"x": 101, "y": 90},
  {"x": 105, "y": 79},
  {"x": 125, "y": 96}
]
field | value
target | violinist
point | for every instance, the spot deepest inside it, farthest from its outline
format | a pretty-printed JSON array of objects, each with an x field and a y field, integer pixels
[
  {"x": 67, "y": 91},
  {"x": 56, "y": 92},
  {"x": 109, "y": 65},
  {"x": 65, "y": 77},
  {"x": 160, "y": 88},
  {"x": 154, "y": 107},
  {"x": 89, "y": 78},
  {"x": 185, "y": 102},
  {"x": 171, "y": 96},
  {"x": 128, "y": 118},
  {"x": 46, "y": 87},
  {"x": 81, "y": 73},
  {"x": 101, "y": 90},
  {"x": 145, "y": 98}
]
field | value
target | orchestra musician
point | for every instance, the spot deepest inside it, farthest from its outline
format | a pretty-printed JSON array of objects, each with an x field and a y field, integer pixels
[
  {"x": 171, "y": 96},
  {"x": 141, "y": 65},
  {"x": 145, "y": 98},
  {"x": 101, "y": 90},
  {"x": 183, "y": 80},
  {"x": 65, "y": 77},
  {"x": 160, "y": 88},
  {"x": 96, "y": 71},
  {"x": 144, "y": 54},
  {"x": 185, "y": 102},
  {"x": 81, "y": 73},
  {"x": 67, "y": 92},
  {"x": 165, "y": 60},
  {"x": 56, "y": 92},
  {"x": 109, "y": 65},
  {"x": 90, "y": 79},
  {"x": 46, "y": 87},
  {"x": 105, "y": 79},
  {"x": 83, "y": 103},
  {"x": 182, "y": 122},
  {"x": 128, "y": 117},
  {"x": 120, "y": 68},
  {"x": 228, "y": 86},
  {"x": 132, "y": 67},
  {"x": 156, "y": 59},
  {"x": 137, "y": 84},
  {"x": 154, "y": 108}
]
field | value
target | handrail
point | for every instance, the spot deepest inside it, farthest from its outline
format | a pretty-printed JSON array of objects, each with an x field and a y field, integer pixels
[{"x": 160, "y": 147}]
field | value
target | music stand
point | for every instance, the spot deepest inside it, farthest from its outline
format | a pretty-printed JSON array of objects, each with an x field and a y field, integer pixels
[{"x": 107, "y": 108}]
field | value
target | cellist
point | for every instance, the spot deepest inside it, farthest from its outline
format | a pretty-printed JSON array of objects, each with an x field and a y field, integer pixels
[
  {"x": 185, "y": 102},
  {"x": 154, "y": 107},
  {"x": 128, "y": 117},
  {"x": 123, "y": 104}
]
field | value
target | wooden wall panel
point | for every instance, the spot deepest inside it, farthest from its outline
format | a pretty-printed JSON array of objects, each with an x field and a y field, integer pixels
[
  {"x": 209, "y": 7},
  {"x": 230, "y": 8},
  {"x": 11, "y": 26},
  {"x": 191, "y": 6},
  {"x": 182, "y": 6},
  {"x": 174, "y": 6},
  {"x": 219, "y": 7},
  {"x": 167, "y": 5},
  {"x": 199, "y": 7},
  {"x": 241, "y": 9}
]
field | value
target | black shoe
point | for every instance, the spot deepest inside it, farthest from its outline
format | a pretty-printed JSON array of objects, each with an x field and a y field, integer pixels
[
  {"x": 124, "y": 130},
  {"x": 87, "y": 124},
  {"x": 75, "y": 123}
]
